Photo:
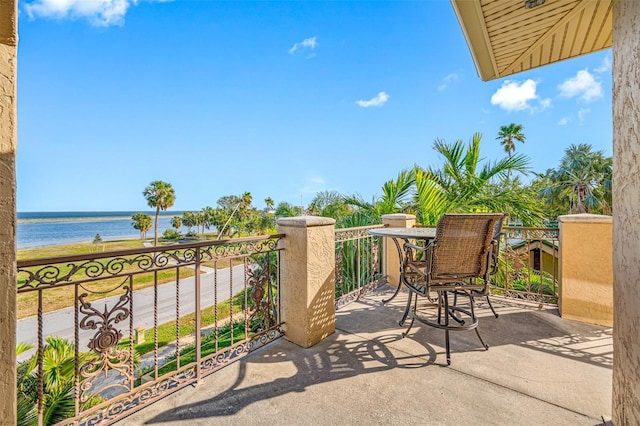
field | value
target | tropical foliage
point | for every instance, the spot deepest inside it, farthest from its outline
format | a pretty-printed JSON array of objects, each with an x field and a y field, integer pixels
[
  {"x": 58, "y": 361},
  {"x": 330, "y": 204},
  {"x": 160, "y": 195},
  {"x": 464, "y": 183},
  {"x": 285, "y": 209},
  {"x": 396, "y": 195},
  {"x": 508, "y": 134},
  {"x": 142, "y": 222},
  {"x": 580, "y": 184}
]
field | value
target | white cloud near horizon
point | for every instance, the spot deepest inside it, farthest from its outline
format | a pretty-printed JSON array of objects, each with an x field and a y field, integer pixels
[
  {"x": 583, "y": 85},
  {"x": 563, "y": 121},
  {"x": 376, "y": 101},
  {"x": 100, "y": 13},
  {"x": 450, "y": 78},
  {"x": 517, "y": 96},
  {"x": 307, "y": 44}
]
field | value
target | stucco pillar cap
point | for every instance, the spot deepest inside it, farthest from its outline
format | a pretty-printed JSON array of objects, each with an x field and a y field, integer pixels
[
  {"x": 306, "y": 221},
  {"x": 585, "y": 218},
  {"x": 399, "y": 216}
]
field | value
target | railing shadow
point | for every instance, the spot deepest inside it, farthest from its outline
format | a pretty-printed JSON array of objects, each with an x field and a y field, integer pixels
[{"x": 332, "y": 360}]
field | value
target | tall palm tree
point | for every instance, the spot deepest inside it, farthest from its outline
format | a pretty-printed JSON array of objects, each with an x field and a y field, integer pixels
[
  {"x": 582, "y": 180},
  {"x": 269, "y": 203},
  {"x": 160, "y": 195},
  {"x": 508, "y": 134},
  {"x": 463, "y": 184}
]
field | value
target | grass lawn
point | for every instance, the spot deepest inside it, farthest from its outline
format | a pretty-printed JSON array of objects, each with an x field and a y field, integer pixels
[{"x": 167, "y": 331}]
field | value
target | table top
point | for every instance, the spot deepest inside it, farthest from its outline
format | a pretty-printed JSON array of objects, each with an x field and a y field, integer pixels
[{"x": 406, "y": 233}]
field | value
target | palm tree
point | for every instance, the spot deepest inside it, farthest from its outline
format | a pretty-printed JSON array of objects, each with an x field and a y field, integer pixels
[
  {"x": 269, "y": 203},
  {"x": 285, "y": 209},
  {"x": 189, "y": 220},
  {"x": 58, "y": 362},
  {"x": 142, "y": 222},
  {"x": 176, "y": 222},
  {"x": 329, "y": 204},
  {"x": 463, "y": 184},
  {"x": 508, "y": 134},
  {"x": 583, "y": 181},
  {"x": 160, "y": 195}
]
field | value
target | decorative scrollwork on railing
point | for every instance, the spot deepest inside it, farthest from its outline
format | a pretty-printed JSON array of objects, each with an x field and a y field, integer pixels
[
  {"x": 103, "y": 344},
  {"x": 348, "y": 234},
  {"x": 261, "y": 315},
  {"x": 88, "y": 267},
  {"x": 243, "y": 248}
]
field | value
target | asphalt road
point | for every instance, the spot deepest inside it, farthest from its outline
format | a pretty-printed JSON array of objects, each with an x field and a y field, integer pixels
[{"x": 62, "y": 323}]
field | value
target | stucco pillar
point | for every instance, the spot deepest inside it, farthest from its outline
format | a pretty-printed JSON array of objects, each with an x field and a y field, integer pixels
[
  {"x": 586, "y": 268},
  {"x": 307, "y": 287},
  {"x": 626, "y": 212},
  {"x": 8, "y": 143},
  {"x": 391, "y": 260}
]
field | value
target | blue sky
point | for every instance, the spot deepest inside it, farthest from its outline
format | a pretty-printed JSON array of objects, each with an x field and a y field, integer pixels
[{"x": 281, "y": 99}]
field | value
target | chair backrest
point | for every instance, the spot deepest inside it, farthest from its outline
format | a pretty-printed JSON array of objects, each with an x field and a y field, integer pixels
[
  {"x": 495, "y": 249},
  {"x": 462, "y": 246}
]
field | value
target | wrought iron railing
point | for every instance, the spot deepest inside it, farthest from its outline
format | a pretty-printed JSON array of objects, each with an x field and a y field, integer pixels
[
  {"x": 358, "y": 263},
  {"x": 136, "y": 325},
  {"x": 528, "y": 264}
]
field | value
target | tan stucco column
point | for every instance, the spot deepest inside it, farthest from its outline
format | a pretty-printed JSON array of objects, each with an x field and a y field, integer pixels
[
  {"x": 626, "y": 212},
  {"x": 586, "y": 268},
  {"x": 391, "y": 260},
  {"x": 307, "y": 288},
  {"x": 8, "y": 143}
]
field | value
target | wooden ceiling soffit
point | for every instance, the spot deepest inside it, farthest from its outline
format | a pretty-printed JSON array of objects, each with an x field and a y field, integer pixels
[{"x": 506, "y": 38}]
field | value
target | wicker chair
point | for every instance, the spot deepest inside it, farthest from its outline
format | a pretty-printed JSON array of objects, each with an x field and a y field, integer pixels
[
  {"x": 493, "y": 264},
  {"x": 457, "y": 262}
]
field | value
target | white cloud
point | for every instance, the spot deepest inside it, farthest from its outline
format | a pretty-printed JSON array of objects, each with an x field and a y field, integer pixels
[
  {"x": 582, "y": 114},
  {"x": 448, "y": 80},
  {"x": 101, "y": 13},
  {"x": 307, "y": 44},
  {"x": 604, "y": 66},
  {"x": 377, "y": 101},
  {"x": 517, "y": 96},
  {"x": 563, "y": 121},
  {"x": 583, "y": 85}
]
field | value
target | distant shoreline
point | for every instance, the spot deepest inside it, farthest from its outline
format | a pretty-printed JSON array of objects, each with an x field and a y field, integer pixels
[{"x": 47, "y": 229}]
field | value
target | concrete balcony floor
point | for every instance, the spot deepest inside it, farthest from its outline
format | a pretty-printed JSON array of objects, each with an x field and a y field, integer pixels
[{"x": 540, "y": 369}]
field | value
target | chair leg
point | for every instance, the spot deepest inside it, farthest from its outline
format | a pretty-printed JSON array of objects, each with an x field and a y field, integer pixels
[
  {"x": 473, "y": 318},
  {"x": 446, "y": 324},
  {"x": 491, "y": 306}
]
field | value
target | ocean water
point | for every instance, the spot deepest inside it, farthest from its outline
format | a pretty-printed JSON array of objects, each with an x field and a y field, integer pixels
[{"x": 40, "y": 229}]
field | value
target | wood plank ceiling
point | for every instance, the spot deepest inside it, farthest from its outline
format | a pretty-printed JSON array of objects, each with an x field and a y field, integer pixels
[{"x": 518, "y": 38}]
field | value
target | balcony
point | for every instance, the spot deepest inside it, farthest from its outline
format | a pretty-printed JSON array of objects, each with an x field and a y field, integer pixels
[
  {"x": 540, "y": 369},
  {"x": 225, "y": 305}
]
